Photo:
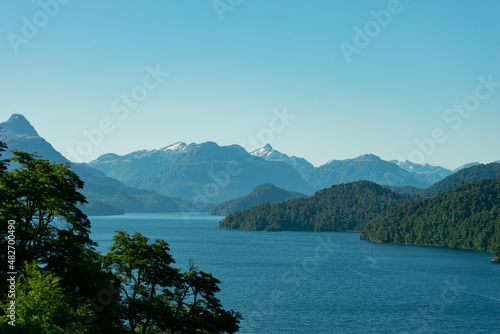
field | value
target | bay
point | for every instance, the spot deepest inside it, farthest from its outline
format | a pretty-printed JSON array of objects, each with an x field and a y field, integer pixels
[{"x": 305, "y": 282}]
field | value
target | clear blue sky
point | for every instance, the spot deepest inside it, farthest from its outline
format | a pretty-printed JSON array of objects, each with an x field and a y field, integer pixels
[{"x": 227, "y": 76}]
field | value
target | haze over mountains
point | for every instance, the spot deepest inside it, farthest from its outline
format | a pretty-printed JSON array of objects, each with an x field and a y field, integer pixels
[
  {"x": 200, "y": 175},
  {"x": 185, "y": 170},
  {"x": 206, "y": 172},
  {"x": 104, "y": 194}
]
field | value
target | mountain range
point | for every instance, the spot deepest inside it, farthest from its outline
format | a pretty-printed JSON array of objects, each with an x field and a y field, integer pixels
[
  {"x": 206, "y": 173},
  {"x": 199, "y": 171},
  {"x": 106, "y": 196},
  {"x": 196, "y": 176}
]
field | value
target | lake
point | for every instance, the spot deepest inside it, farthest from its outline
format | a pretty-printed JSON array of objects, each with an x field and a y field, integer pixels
[{"x": 306, "y": 282}]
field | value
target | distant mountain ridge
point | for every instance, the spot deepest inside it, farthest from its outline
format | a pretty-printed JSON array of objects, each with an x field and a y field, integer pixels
[
  {"x": 424, "y": 172},
  {"x": 270, "y": 154},
  {"x": 205, "y": 174},
  {"x": 467, "y": 165},
  {"x": 264, "y": 193},
  {"x": 106, "y": 196},
  {"x": 139, "y": 163},
  {"x": 182, "y": 170},
  {"x": 200, "y": 172},
  {"x": 367, "y": 167}
]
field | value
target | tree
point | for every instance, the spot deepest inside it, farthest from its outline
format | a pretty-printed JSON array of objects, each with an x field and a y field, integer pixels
[
  {"x": 42, "y": 198},
  {"x": 43, "y": 306},
  {"x": 3, "y": 169},
  {"x": 161, "y": 298},
  {"x": 3, "y": 163}
]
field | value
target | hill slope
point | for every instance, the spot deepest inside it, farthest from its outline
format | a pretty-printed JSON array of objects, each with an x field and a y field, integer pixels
[
  {"x": 467, "y": 217},
  {"x": 265, "y": 193},
  {"x": 343, "y": 207},
  {"x": 474, "y": 173}
]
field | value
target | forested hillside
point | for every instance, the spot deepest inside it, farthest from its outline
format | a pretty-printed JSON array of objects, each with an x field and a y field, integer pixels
[
  {"x": 343, "y": 207},
  {"x": 467, "y": 217}
]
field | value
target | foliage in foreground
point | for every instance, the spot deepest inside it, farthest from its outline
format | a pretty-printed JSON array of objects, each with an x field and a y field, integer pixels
[
  {"x": 161, "y": 298},
  {"x": 63, "y": 285}
]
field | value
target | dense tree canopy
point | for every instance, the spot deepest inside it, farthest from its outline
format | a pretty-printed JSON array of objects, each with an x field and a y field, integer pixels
[
  {"x": 42, "y": 198},
  {"x": 343, "y": 207},
  {"x": 3, "y": 162},
  {"x": 161, "y": 298},
  {"x": 63, "y": 285},
  {"x": 467, "y": 217}
]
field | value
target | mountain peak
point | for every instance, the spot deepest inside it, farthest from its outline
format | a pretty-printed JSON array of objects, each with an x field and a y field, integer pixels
[
  {"x": 263, "y": 151},
  {"x": 19, "y": 125},
  {"x": 368, "y": 156},
  {"x": 174, "y": 147}
]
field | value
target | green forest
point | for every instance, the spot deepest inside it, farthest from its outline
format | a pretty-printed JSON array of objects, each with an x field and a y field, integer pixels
[
  {"x": 467, "y": 217},
  {"x": 61, "y": 284},
  {"x": 458, "y": 214},
  {"x": 343, "y": 207}
]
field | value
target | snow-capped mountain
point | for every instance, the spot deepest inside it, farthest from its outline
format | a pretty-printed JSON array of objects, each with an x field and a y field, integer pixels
[
  {"x": 105, "y": 195},
  {"x": 139, "y": 163},
  {"x": 424, "y": 172},
  {"x": 365, "y": 167},
  {"x": 270, "y": 154},
  {"x": 186, "y": 170}
]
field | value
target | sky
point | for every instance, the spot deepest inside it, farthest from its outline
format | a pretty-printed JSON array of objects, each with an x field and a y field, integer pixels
[{"x": 322, "y": 80}]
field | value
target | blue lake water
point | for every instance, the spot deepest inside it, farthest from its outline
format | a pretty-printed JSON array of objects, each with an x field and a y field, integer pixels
[{"x": 303, "y": 282}]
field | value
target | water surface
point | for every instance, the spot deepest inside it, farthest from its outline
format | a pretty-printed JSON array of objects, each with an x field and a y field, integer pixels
[{"x": 305, "y": 282}]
